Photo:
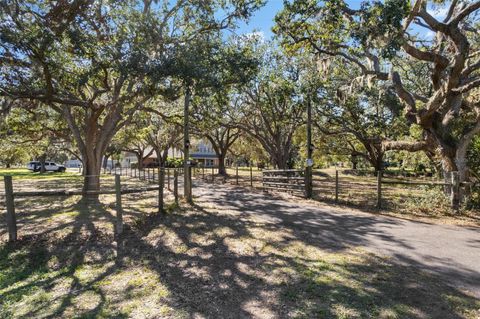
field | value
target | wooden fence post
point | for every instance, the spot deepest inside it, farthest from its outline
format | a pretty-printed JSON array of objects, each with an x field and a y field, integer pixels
[
  {"x": 379, "y": 189},
  {"x": 251, "y": 176},
  {"x": 213, "y": 176},
  {"x": 336, "y": 186},
  {"x": 190, "y": 184},
  {"x": 118, "y": 193},
  {"x": 161, "y": 184},
  {"x": 11, "y": 219},
  {"x": 236, "y": 174},
  {"x": 203, "y": 171},
  {"x": 454, "y": 191},
  {"x": 308, "y": 182},
  {"x": 168, "y": 178},
  {"x": 175, "y": 185}
]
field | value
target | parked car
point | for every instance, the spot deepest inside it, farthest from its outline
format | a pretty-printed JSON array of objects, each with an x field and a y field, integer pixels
[{"x": 35, "y": 166}]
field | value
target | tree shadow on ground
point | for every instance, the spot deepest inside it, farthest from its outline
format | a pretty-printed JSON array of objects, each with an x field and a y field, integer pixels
[
  {"x": 334, "y": 230},
  {"x": 219, "y": 260}
]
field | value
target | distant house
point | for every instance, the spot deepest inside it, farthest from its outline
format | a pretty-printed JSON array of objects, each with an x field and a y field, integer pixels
[{"x": 201, "y": 151}]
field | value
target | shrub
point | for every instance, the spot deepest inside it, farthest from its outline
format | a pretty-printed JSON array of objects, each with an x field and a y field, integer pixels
[
  {"x": 173, "y": 162},
  {"x": 432, "y": 203}
]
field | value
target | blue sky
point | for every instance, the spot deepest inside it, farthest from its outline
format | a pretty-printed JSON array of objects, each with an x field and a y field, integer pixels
[{"x": 263, "y": 20}]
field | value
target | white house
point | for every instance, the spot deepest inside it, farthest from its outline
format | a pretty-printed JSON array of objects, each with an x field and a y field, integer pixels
[{"x": 201, "y": 151}]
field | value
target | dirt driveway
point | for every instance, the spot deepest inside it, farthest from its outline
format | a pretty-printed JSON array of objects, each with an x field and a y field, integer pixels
[{"x": 453, "y": 252}]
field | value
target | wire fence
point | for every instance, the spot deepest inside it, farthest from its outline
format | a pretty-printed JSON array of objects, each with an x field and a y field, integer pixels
[
  {"x": 396, "y": 192},
  {"x": 51, "y": 202}
]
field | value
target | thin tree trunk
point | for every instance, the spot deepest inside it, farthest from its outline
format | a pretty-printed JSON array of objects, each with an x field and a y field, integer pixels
[
  {"x": 354, "y": 161},
  {"x": 186, "y": 146},
  {"x": 105, "y": 161},
  {"x": 42, "y": 163},
  {"x": 139, "y": 161}
]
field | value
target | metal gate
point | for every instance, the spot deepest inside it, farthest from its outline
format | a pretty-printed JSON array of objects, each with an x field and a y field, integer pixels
[{"x": 287, "y": 180}]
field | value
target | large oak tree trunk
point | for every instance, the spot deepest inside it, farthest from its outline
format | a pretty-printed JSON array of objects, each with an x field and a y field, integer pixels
[
  {"x": 92, "y": 140},
  {"x": 221, "y": 164},
  {"x": 375, "y": 156},
  {"x": 455, "y": 163},
  {"x": 280, "y": 161},
  {"x": 92, "y": 165}
]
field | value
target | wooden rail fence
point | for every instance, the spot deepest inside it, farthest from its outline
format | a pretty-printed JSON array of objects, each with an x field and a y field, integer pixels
[
  {"x": 293, "y": 181},
  {"x": 10, "y": 196}
]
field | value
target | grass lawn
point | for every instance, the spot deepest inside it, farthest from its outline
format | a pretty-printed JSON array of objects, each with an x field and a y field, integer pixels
[
  {"x": 199, "y": 262},
  {"x": 23, "y": 173}
]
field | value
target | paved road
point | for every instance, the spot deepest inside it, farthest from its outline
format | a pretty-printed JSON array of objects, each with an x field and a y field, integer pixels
[{"x": 452, "y": 252}]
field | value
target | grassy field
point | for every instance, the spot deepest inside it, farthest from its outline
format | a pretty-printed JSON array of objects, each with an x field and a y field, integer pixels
[
  {"x": 25, "y": 174},
  {"x": 198, "y": 262},
  {"x": 406, "y": 201}
]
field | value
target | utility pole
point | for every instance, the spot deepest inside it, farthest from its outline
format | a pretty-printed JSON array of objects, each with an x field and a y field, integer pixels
[
  {"x": 308, "y": 170},
  {"x": 187, "y": 189}
]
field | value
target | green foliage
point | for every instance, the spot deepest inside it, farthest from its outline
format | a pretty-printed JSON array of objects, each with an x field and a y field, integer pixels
[
  {"x": 248, "y": 148},
  {"x": 473, "y": 158},
  {"x": 12, "y": 154},
  {"x": 98, "y": 63},
  {"x": 209, "y": 61},
  {"x": 409, "y": 160},
  {"x": 30, "y": 135},
  {"x": 322, "y": 26},
  {"x": 381, "y": 19},
  {"x": 433, "y": 202},
  {"x": 352, "y": 116},
  {"x": 273, "y": 106},
  {"x": 173, "y": 162}
]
